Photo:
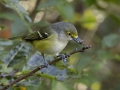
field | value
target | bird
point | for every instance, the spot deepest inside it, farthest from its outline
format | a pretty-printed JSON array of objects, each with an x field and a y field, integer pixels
[{"x": 52, "y": 39}]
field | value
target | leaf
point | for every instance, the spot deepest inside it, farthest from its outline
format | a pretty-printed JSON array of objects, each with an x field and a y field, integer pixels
[
  {"x": 58, "y": 86},
  {"x": 24, "y": 12},
  {"x": 2, "y": 27},
  {"x": 62, "y": 6},
  {"x": 48, "y": 3},
  {"x": 90, "y": 2},
  {"x": 82, "y": 63},
  {"x": 35, "y": 60},
  {"x": 88, "y": 20},
  {"x": 1, "y": 48},
  {"x": 104, "y": 55},
  {"x": 20, "y": 10},
  {"x": 18, "y": 56},
  {"x": 14, "y": 1},
  {"x": 6, "y": 14},
  {"x": 113, "y": 1},
  {"x": 6, "y": 43},
  {"x": 28, "y": 18},
  {"x": 60, "y": 75},
  {"x": 111, "y": 40},
  {"x": 18, "y": 27},
  {"x": 4, "y": 81},
  {"x": 66, "y": 11}
]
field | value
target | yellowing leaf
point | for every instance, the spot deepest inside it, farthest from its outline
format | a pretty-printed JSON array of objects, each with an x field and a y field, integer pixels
[
  {"x": 95, "y": 86},
  {"x": 22, "y": 88},
  {"x": 88, "y": 20}
]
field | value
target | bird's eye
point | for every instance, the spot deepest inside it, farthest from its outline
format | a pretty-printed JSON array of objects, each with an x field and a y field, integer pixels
[{"x": 69, "y": 33}]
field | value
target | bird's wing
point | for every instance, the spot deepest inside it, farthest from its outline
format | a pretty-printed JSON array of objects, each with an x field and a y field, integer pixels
[
  {"x": 41, "y": 34},
  {"x": 37, "y": 35}
]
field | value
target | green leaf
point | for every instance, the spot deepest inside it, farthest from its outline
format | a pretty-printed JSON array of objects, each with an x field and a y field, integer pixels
[
  {"x": 18, "y": 27},
  {"x": 6, "y": 43},
  {"x": 88, "y": 20},
  {"x": 6, "y": 14},
  {"x": 23, "y": 12},
  {"x": 113, "y": 1},
  {"x": 82, "y": 63},
  {"x": 58, "y": 86},
  {"x": 111, "y": 40},
  {"x": 90, "y": 2},
  {"x": 2, "y": 27},
  {"x": 4, "y": 81},
  {"x": 28, "y": 18},
  {"x": 20, "y": 10},
  {"x": 1, "y": 48},
  {"x": 66, "y": 11},
  {"x": 14, "y": 1},
  {"x": 48, "y": 3},
  {"x": 104, "y": 55}
]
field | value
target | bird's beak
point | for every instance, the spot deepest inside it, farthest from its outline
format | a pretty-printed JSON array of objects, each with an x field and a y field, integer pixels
[{"x": 78, "y": 40}]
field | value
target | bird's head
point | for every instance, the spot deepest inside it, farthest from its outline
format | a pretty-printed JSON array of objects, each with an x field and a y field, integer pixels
[
  {"x": 72, "y": 33},
  {"x": 66, "y": 31}
]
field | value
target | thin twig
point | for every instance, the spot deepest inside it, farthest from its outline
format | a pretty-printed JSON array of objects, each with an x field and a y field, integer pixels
[
  {"x": 9, "y": 74},
  {"x": 43, "y": 66},
  {"x": 13, "y": 53}
]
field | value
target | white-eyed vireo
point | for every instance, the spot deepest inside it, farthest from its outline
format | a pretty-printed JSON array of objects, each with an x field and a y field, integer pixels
[{"x": 53, "y": 38}]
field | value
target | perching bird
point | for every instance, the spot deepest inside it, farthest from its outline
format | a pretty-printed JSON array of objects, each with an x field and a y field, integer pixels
[{"x": 52, "y": 39}]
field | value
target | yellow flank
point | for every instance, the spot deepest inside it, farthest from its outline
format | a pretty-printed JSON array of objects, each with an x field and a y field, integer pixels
[{"x": 50, "y": 45}]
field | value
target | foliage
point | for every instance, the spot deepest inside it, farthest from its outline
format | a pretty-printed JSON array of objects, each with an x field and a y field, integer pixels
[{"x": 97, "y": 22}]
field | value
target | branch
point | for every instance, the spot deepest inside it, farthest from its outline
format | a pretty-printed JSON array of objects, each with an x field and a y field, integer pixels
[
  {"x": 34, "y": 12},
  {"x": 43, "y": 66}
]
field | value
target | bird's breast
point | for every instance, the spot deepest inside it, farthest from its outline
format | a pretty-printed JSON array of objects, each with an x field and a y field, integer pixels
[{"x": 51, "y": 45}]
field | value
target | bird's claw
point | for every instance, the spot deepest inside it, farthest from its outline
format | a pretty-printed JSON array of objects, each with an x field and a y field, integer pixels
[
  {"x": 63, "y": 57},
  {"x": 46, "y": 63}
]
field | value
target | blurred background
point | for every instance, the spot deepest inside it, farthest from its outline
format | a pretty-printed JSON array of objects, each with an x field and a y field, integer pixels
[{"x": 98, "y": 24}]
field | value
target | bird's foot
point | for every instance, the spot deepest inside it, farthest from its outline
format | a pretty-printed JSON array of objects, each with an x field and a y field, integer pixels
[
  {"x": 46, "y": 63},
  {"x": 63, "y": 56}
]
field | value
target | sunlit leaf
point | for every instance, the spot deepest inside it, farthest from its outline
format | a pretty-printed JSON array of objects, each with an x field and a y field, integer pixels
[
  {"x": 96, "y": 86},
  {"x": 88, "y": 20}
]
